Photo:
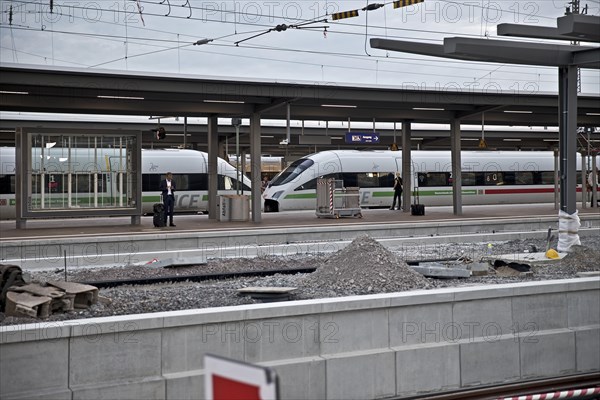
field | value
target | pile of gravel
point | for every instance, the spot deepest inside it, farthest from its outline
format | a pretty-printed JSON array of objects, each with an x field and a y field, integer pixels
[{"x": 364, "y": 267}]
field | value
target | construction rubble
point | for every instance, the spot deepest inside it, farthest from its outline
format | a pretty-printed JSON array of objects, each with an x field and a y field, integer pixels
[{"x": 19, "y": 298}]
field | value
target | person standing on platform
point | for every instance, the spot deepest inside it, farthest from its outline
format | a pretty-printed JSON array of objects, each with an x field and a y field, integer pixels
[
  {"x": 590, "y": 186},
  {"x": 167, "y": 187},
  {"x": 397, "y": 192}
]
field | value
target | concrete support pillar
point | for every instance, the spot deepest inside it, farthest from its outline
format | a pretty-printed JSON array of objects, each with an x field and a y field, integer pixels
[
  {"x": 407, "y": 177},
  {"x": 213, "y": 178},
  {"x": 567, "y": 93},
  {"x": 568, "y": 221},
  {"x": 455, "y": 149},
  {"x": 20, "y": 181},
  {"x": 584, "y": 189},
  {"x": 185, "y": 132},
  {"x": 255, "y": 151},
  {"x": 243, "y": 166},
  {"x": 556, "y": 180},
  {"x": 594, "y": 173}
]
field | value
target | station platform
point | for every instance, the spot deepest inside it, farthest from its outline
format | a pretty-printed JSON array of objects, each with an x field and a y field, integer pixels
[
  {"x": 94, "y": 227},
  {"x": 107, "y": 242}
]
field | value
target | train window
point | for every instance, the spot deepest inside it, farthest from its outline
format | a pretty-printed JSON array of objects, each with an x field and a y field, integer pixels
[
  {"x": 312, "y": 184},
  {"x": 508, "y": 177},
  {"x": 524, "y": 178},
  {"x": 228, "y": 183},
  {"x": 150, "y": 182},
  {"x": 386, "y": 180},
  {"x": 7, "y": 184},
  {"x": 292, "y": 172},
  {"x": 197, "y": 182},
  {"x": 547, "y": 178},
  {"x": 84, "y": 183},
  {"x": 225, "y": 183},
  {"x": 182, "y": 181},
  {"x": 350, "y": 179},
  {"x": 244, "y": 186},
  {"x": 434, "y": 179},
  {"x": 469, "y": 178},
  {"x": 366, "y": 179},
  {"x": 494, "y": 178}
]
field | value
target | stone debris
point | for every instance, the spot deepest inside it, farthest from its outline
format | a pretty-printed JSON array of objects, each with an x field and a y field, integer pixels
[{"x": 365, "y": 267}]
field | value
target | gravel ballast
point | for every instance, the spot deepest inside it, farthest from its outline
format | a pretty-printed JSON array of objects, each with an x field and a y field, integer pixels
[{"x": 363, "y": 267}]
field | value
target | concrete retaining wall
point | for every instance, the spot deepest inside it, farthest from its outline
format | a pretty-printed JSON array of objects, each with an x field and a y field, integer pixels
[
  {"x": 345, "y": 348},
  {"x": 138, "y": 249}
]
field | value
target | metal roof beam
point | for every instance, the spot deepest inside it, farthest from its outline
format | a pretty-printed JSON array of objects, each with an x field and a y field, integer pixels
[
  {"x": 477, "y": 111},
  {"x": 425, "y": 49},
  {"x": 531, "y": 31},
  {"x": 511, "y": 52},
  {"x": 581, "y": 26},
  {"x": 587, "y": 58},
  {"x": 487, "y": 50}
]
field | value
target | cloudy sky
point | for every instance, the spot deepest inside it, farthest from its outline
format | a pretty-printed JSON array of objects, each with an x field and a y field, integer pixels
[{"x": 158, "y": 36}]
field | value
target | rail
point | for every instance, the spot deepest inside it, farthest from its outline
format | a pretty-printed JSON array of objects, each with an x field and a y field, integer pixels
[{"x": 508, "y": 391}]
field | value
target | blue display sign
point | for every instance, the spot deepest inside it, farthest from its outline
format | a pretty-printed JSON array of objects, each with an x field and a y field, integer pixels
[{"x": 358, "y": 137}]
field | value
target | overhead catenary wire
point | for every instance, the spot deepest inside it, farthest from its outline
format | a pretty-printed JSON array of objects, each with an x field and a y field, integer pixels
[
  {"x": 389, "y": 59},
  {"x": 131, "y": 38},
  {"x": 238, "y": 19}
]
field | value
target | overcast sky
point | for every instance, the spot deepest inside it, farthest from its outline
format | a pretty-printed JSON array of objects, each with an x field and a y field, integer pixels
[{"x": 158, "y": 36}]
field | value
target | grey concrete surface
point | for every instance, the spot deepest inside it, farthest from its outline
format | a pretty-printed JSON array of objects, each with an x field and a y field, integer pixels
[
  {"x": 91, "y": 242},
  {"x": 360, "y": 347}
]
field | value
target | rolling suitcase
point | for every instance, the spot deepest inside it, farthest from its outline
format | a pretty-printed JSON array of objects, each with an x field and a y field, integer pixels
[
  {"x": 159, "y": 215},
  {"x": 416, "y": 208}
]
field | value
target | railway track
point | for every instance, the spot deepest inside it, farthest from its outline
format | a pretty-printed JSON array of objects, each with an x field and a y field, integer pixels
[
  {"x": 555, "y": 388},
  {"x": 195, "y": 278}
]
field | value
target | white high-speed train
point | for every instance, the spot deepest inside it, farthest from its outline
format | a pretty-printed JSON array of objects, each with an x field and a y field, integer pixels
[
  {"x": 488, "y": 177},
  {"x": 189, "y": 168}
]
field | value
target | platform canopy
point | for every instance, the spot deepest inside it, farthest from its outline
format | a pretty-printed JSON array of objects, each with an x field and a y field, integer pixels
[{"x": 574, "y": 27}]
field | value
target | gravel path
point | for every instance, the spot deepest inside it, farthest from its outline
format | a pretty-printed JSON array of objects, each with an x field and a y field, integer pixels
[{"x": 363, "y": 267}]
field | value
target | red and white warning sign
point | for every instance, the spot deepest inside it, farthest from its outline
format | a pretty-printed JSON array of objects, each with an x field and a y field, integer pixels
[{"x": 227, "y": 379}]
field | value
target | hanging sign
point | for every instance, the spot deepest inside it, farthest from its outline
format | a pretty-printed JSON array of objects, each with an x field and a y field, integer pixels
[{"x": 358, "y": 137}]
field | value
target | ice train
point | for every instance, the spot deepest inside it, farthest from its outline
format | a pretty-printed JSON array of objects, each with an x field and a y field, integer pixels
[
  {"x": 189, "y": 168},
  {"x": 488, "y": 177}
]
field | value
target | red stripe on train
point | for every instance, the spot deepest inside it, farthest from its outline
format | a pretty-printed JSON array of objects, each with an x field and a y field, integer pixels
[
  {"x": 519, "y": 191},
  {"x": 524, "y": 191}
]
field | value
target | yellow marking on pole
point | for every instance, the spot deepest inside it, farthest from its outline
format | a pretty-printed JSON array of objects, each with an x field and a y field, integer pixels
[
  {"x": 344, "y": 14},
  {"x": 404, "y": 3}
]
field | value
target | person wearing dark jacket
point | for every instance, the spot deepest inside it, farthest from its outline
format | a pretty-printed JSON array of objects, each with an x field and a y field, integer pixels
[
  {"x": 397, "y": 192},
  {"x": 167, "y": 187}
]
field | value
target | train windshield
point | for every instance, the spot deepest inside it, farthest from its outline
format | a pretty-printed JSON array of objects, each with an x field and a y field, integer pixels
[{"x": 292, "y": 172}]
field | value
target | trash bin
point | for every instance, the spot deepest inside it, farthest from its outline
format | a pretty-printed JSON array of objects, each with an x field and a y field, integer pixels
[
  {"x": 239, "y": 207},
  {"x": 225, "y": 208}
]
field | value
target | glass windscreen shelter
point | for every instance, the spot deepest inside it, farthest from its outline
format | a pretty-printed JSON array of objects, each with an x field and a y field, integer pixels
[{"x": 62, "y": 174}]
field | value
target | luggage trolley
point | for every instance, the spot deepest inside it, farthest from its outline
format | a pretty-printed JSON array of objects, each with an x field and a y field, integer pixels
[{"x": 335, "y": 201}]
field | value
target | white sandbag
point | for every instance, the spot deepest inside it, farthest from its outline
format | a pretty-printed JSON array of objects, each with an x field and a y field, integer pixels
[{"x": 568, "y": 228}]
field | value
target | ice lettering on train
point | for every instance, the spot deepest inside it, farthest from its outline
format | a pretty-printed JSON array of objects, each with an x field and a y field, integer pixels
[
  {"x": 187, "y": 200},
  {"x": 366, "y": 197}
]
